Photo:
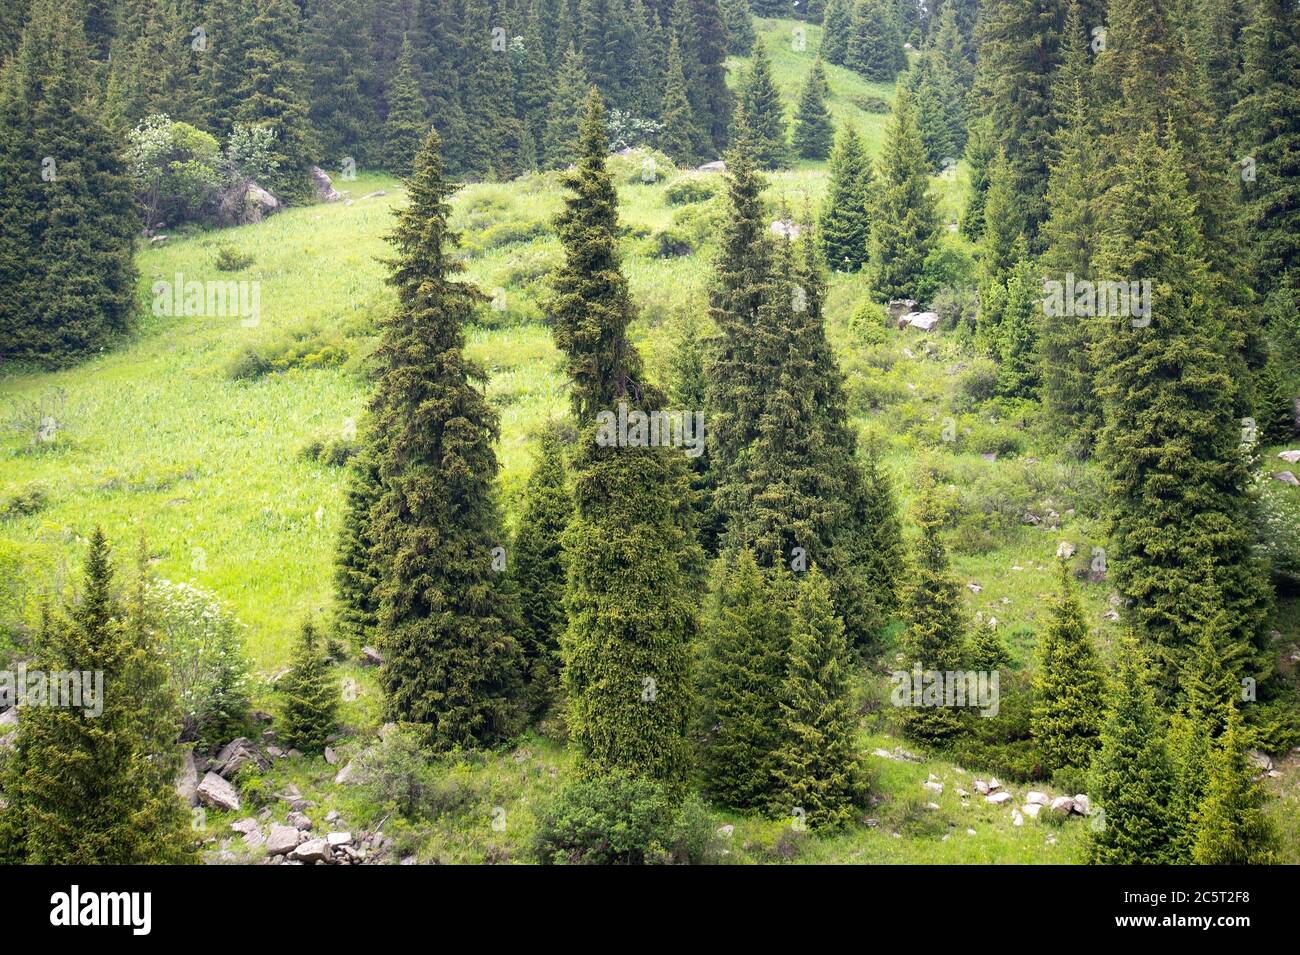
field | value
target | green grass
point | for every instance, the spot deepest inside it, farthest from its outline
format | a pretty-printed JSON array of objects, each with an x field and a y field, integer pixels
[{"x": 160, "y": 438}]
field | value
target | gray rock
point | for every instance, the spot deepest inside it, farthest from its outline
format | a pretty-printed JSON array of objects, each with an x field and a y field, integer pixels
[
  {"x": 925, "y": 321},
  {"x": 1261, "y": 760},
  {"x": 215, "y": 792},
  {"x": 349, "y": 775},
  {"x": 1286, "y": 477},
  {"x": 331, "y": 756},
  {"x": 313, "y": 850},
  {"x": 1037, "y": 798},
  {"x": 1290, "y": 457},
  {"x": 1063, "y": 805},
  {"x": 1081, "y": 804},
  {"x": 282, "y": 840},
  {"x": 238, "y": 753},
  {"x": 244, "y": 826},
  {"x": 187, "y": 780},
  {"x": 338, "y": 839},
  {"x": 323, "y": 185},
  {"x": 371, "y": 657},
  {"x": 717, "y": 165},
  {"x": 998, "y": 799},
  {"x": 1031, "y": 809},
  {"x": 299, "y": 821}
]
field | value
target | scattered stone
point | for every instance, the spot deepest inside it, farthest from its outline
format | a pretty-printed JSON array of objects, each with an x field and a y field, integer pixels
[
  {"x": 989, "y": 456},
  {"x": 331, "y": 756},
  {"x": 275, "y": 752},
  {"x": 1286, "y": 477},
  {"x": 371, "y": 657},
  {"x": 963, "y": 793},
  {"x": 299, "y": 821},
  {"x": 187, "y": 780},
  {"x": 376, "y": 194},
  {"x": 1036, "y": 798},
  {"x": 332, "y": 815},
  {"x": 1065, "y": 550},
  {"x": 994, "y": 784},
  {"x": 1081, "y": 804},
  {"x": 1031, "y": 810},
  {"x": 1017, "y": 819},
  {"x": 898, "y": 307},
  {"x": 320, "y": 181},
  {"x": 932, "y": 805},
  {"x": 925, "y": 321},
  {"x": 215, "y": 792},
  {"x": 158, "y": 239},
  {"x": 1063, "y": 805},
  {"x": 1261, "y": 760},
  {"x": 970, "y": 832},
  {"x": 313, "y": 850},
  {"x": 238, "y": 753},
  {"x": 295, "y": 754},
  {"x": 718, "y": 165},
  {"x": 339, "y": 839},
  {"x": 974, "y": 588},
  {"x": 1290, "y": 457},
  {"x": 785, "y": 229},
  {"x": 934, "y": 787},
  {"x": 982, "y": 787},
  {"x": 244, "y": 826},
  {"x": 1111, "y": 615},
  {"x": 727, "y": 831},
  {"x": 347, "y": 776},
  {"x": 998, "y": 799}
]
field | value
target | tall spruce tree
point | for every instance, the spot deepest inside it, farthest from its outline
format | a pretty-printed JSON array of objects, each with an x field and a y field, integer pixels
[
  {"x": 905, "y": 222},
  {"x": 836, "y": 21},
  {"x": 446, "y": 618},
  {"x": 846, "y": 217},
  {"x": 875, "y": 45},
  {"x": 680, "y": 130},
  {"x": 813, "y": 129},
  {"x": 1232, "y": 826},
  {"x": 341, "y": 83},
  {"x": 309, "y": 695},
  {"x": 356, "y": 575},
  {"x": 740, "y": 26},
  {"x": 93, "y": 781},
  {"x": 67, "y": 213},
  {"x": 1069, "y": 691},
  {"x": 818, "y": 768},
  {"x": 540, "y": 571},
  {"x": 560, "y": 138},
  {"x": 1018, "y": 331},
  {"x": 631, "y": 546},
  {"x": 764, "y": 113},
  {"x": 741, "y": 682},
  {"x": 407, "y": 121},
  {"x": 1132, "y": 780}
]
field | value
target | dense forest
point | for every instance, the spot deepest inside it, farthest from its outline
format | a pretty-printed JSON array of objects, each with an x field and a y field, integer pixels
[{"x": 649, "y": 431}]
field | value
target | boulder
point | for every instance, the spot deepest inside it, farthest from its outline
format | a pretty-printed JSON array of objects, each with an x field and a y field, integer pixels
[
  {"x": 1290, "y": 457},
  {"x": 246, "y": 204},
  {"x": 324, "y": 188},
  {"x": 1286, "y": 477},
  {"x": 1031, "y": 809},
  {"x": 238, "y": 753},
  {"x": 934, "y": 787},
  {"x": 215, "y": 792},
  {"x": 994, "y": 784},
  {"x": 282, "y": 840},
  {"x": 925, "y": 321},
  {"x": 1295, "y": 411},
  {"x": 998, "y": 799},
  {"x": 989, "y": 456},
  {"x": 244, "y": 826},
  {"x": 187, "y": 780},
  {"x": 982, "y": 787},
  {"x": 371, "y": 657},
  {"x": 337, "y": 839},
  {"x": 313, "y": 850},
  {"x": 299, "y": 821},
  {"x": 347, "y": 776},
  {"x": 331, "y": 757},
  {"x": 1261, "y": 760},
  {"x": 1017, "y": 819},
  {"x": 1081, "y": 804},
  {"x": 1065, "y": 550},
  {"x": 718, "y": 165},
  {"x": 1063, "y": 805},
  {"x": 1037, "y": 798},
  {"x": 898, "y": 307},
  {"x": 974, "y": 588}
]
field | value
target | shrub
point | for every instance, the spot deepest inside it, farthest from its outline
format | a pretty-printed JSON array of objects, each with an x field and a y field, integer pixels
[
  {"x": 690, "y": 189},
  {"x": 27, "y": 501},
  {"x": 176, "y": 170},
  {"x": 671, "y": 244},
  {"x": 870, "y": 104},
  {"x": 205, "y": 658},
  {"x": 957, "y": 308},
  {"x": 510, "y": 233},
  {"x": 1276, "y": 529},
  {"x": 230, "y": 259},
  {"x": 979, "y": 382},
  {"x": 399, "y": 774},
  {"x": 869, "y": 321},
  {"x": 298, "y": 348},
  {"x": 622, "y": 820},
  {"x": 948, "y": 266},
  {"x": 331, "y": 452}
]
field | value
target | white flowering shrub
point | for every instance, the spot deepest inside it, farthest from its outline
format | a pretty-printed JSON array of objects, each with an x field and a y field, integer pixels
[
  {"x": 1278, "y": 529},
  {"x": 205, "y": 653},
  {"x": 175, "y": 168}
]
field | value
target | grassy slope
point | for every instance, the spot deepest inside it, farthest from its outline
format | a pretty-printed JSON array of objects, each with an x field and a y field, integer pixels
[{"x": 161, "y": 438}]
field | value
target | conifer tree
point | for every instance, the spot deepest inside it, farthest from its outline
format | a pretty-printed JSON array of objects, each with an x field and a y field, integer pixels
[
  {"x": 836, "y": 23},
  {"x": 532, "y": 83},
  {"x": 1274, "y": 413},
  {"x": 407, "y": 123},
  {"x": 446, "y": 618},
  {"x": 356, "y": 577},
  {"x": 905, "y": 223},
  {"x": 935, "y": 634},
  {"x": 846, "y": 218},
  {"x": 559, "y": 140},
  {"x": 875, "y": 46},
  {"x": 764, "y": 113},
  {"x": 342, "y": 84},
  {"x": 1132, "y": 780},
  {"x": 540, "y": 572},
  {"x": 740, "y": 26},
  {"x": 940, "y": 95},
  {"x": 148, "y": 69},
  {"x": 706, "y": 73},
  {"x": 310, "y": 698},
  {"x": 813, "y": 129},
  {"x": 1232, "y": 827},
  {"x": 818, "y": 766},
  {"x": 221, "y": 66},
  {"x": 980, "y": 155},
  {"x": 1069, "y": 691},
  {"x": 1179, "y": 524},
  {"x": 679, "y": 128},
  {"x": 631, "y": 547},
  {"x": 92, "y": 782},
  {"x": 742, "y": 682},
  {"x": 883, "y": 554},
  {"x": 1018, "y": 331},
  {"x": 67, "y": 213}
]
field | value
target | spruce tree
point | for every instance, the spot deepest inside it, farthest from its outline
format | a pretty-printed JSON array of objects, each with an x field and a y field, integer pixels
[
  {"x": 740, "y": 26},
  {"x": 93, "y": 782},
  {"x": 310, "y": 697},
  {"x": 935, "y": 633},
  {"x": 742, "y": 682},
  {"x": 706, "y": 74},
  {"x": 905, "y": 223},
  {"x": 67, "y": 213},
  {"x": 980, "y": 154},
  {"x": 940, "y": 94},
  {"x": 883, "y": 554},
  {"x": 1018, "y": 332},
  {"x": 273, "y": 93},
  {"x": 1232, "y": 826},
  {"x": 818, "y": 766},
  {"x": 813, "y": 129},
  {"x": 631, "y": 547},
  {"x": 875, "y": 46},
  {"x": 356, "y": 575},
  {"x": 540, "y": 572},
  {"x": 221, "y": 65},
  {"x": 1132, "y": 780},
  {"x": 846, "y": 217},
  {"x": 560, "y": 138},
  {"x": 1069, "y": 691},
  {"x": 679, "y": 128},
  {"x": 836, "y": 23},
  {"x": 446, "y": 618},
  {"x": 1274, "y": 414},
  {"x": 764, "y": 113},
  {"x": 407, "y": 122},
  {"x": 341, "y": 82},
  {"x": 1179, "y": 522}
]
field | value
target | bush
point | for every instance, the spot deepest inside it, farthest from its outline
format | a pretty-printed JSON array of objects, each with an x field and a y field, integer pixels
[
  {"x": 510, "y": 233},
  {"x": 27, "y": 501},
  {"x": 671, "y": 244},
  {"x": 869, "y": 321},
  {"x": 299, "y": 348},
  {"x": 1277, "y": 529},
  {"x": 622, "y": 820},
  {"x": 948, "y": 266},
  {"x": 176, "y": 170},
  {"x": 979, "y": 382},
  {"x": 691, "y": 189},
  {"x": 331, "y": 452},
  {"x": 1002, "y": 744},
  {"x": 401, "y": 775},
  {"x": 230, "y": 259},
  {"x": 205, "y": 658},
  {"x": 957, "y": 308},
  {"x": 870, "y": 104}
]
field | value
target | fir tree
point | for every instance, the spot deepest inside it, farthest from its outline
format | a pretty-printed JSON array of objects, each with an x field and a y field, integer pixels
[
  {"x": 559, "y": 141},
  {"x": 940, "y": 92},
  {"x": 631, "y": 546},
  {"x": 1274, "y": 414},
  {"x": 532, "y": 81},
  {"x": 764, "y": 112},
  {"x": 818, "y": 768},
  {"x": 875, "y": 46},
  {"x": 883, "y": 554},
  {"x": 407, "y": 124},
  {"x": 1233, "y": 827},
  {"x": 813, "y": 129},
  {"x": 342, "y": 83},
  {"x": 740, "y": 26},
  {"x": 679, "y": 128},
  {"x": 1132, "y": 780},
  {"x": 446, "y": 619},
  {"x": 540, "y": 572},
  {"x": 743, "y": 673},
  {"x": 836, "y": 24},
  {"x": 356, "y": 576},
  {"x": 310, "y": 698},
  {"x": 980, "y": 155},
  {"x": 94, "y": 783},
  {"x": 706, "y": 74},
  {"x": 67, "y": 213},
  {"x": 846, "y": 218},
  {"x": 905, "y": 223},
  {"x": 1018, "y": 366},
  {"x": 1069, "y": 691}
]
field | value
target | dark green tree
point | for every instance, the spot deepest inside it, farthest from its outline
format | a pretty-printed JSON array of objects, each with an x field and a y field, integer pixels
[
  {"x": 836, "y": 23},
  {"x": 764, "y": 113},
  {"x": 446, "y": 617},
  {"x": 679, "y": 131},
  {"x": 846, "y": 217},
  {"x": 1232, "y": 826},
  {"x": 813, "y": 129},
  {"x": 342, "y": 86},
  {"x": 309, "y": 696},
  {"x": 356, "y": 576},
  {"x": 740, "y": 26},
  {"x": 407, "y": 122},
  {"x": 560, "y": 139},
  {"x": 875, "y": 45},
  {"x": 905, "y": 223}
]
